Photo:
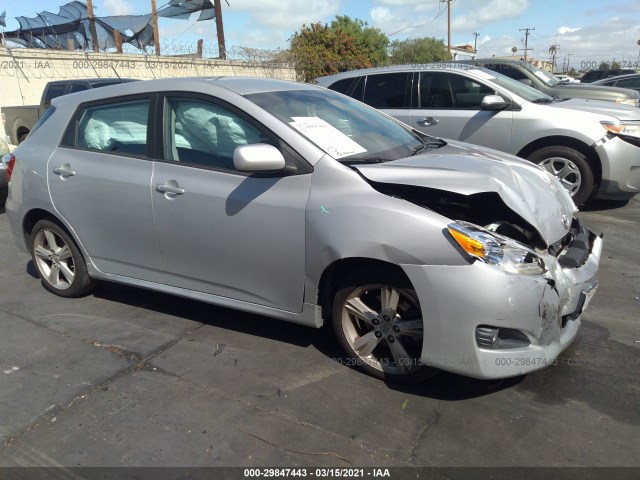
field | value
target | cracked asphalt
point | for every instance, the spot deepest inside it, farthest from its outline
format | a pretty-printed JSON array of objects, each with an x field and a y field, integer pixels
[{"x": 127, "y": 377}]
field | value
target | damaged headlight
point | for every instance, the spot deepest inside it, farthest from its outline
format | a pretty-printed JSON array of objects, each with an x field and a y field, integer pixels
[
  {"x": 629, "y": 128},
  {"x": 496, "y": 249}
]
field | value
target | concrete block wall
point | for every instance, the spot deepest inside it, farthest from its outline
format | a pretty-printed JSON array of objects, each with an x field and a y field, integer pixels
[{"x": 25, "y": 72}]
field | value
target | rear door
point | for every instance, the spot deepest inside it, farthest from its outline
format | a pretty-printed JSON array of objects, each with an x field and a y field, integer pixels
[
  {"x": 449, "y": 106},
  {"x": 222, "y": 231},
  {"x": 99, "y": 181}
]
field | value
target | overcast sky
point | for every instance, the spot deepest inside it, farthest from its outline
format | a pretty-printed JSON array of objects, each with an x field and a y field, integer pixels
[{"x": 591, "y": 30}]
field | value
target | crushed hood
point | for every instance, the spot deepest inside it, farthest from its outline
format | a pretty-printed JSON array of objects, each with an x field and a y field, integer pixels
[{"x": 464, "y": 169}]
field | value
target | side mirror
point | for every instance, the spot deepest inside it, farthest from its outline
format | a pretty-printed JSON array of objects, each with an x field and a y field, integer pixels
[
  {"x": 526, "y": 81},
  {"x": 258, "y": 158},
  {"x": 493, "y": 102}
]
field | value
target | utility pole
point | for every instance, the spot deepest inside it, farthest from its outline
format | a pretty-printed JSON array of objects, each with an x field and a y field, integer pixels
[
  {"x": 92, "y": 27},
  {"x": 569, "y": 61},
  {"x": 222, "y": 51},
  {"x": 448, "y": 2},
  {"x": 156, "y": 34},
  {"x": 526, "y": 40},
  {"x": 475, "y": 41}
]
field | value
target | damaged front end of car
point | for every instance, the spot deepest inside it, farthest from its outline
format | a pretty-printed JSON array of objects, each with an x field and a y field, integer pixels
[{"x": 530, "y": 273}]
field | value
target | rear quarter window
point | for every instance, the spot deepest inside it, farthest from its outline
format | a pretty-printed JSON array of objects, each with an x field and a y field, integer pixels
[{"x": 118, "y": 128}]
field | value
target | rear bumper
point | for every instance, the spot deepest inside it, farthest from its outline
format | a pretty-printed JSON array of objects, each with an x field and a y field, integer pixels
[{"x": 545, "y": 310}]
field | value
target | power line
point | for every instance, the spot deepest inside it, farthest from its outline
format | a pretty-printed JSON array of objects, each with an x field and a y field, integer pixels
[{"x": 421, "y": 25}]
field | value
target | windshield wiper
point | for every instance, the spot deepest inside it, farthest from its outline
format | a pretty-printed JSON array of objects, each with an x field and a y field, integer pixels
[
  {"x": 435, "y": 143},
  {"x": 543, "y": 100},
  {"x": 364, "y": 160}
]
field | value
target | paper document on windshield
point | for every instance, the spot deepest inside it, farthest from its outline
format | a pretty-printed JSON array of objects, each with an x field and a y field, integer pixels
[{"x": 327, "y": 137}]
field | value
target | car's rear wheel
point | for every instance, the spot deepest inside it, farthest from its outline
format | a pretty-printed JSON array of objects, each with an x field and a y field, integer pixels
[
  {"x": 58, "y": 260},
  {"x": 378, "y": 321},
  {"x": 570, "y": 167}
]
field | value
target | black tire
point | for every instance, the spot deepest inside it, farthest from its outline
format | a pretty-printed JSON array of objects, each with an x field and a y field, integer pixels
[
  {"x": 58, "y": 260},
  {"x": 367, "y": 287},
  {"x": 22, "y": 138},
  {"x": 555, "y": 158}
]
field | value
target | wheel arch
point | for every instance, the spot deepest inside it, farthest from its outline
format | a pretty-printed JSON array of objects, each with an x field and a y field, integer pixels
[
  {"x": 37, "y": 214},
  {"x": 562, "y": 141},
  {"x": 337, "y": 271}
]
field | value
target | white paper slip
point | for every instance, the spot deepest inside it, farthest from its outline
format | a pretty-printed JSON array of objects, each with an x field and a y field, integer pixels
[{"x": 327, "y": 137}]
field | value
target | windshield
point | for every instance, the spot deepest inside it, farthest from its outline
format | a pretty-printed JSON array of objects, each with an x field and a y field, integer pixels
[
  {"x": 523, "y": 91},
  {"x": 346, "y": 129},
  {"x": 543, "y": 75}
]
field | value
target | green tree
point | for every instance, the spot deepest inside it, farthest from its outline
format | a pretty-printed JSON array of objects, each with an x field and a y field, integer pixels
[
  {"x": 371, "y": 40},
  {"x": 319, "y": 50},
  {"x": 419, "y": 50}
]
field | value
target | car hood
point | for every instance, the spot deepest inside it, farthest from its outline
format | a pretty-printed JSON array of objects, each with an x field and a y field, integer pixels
[
  {"x": 581, "y": 90},
  {"x": 621, "y": 112},
  {"x": 464, "y": 169}
]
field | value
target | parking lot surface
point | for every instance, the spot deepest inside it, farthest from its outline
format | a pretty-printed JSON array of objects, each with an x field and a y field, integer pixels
[{"x": 127, "y": 377}]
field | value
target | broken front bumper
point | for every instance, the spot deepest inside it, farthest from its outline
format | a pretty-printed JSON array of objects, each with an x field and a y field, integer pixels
[{"x": 483, "y": 322}]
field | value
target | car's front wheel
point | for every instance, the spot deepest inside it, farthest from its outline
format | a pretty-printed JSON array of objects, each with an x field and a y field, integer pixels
[
  {"x": 378, "y": 322},
  {"x": 58, "y": 260},
  {"x": 570, "y": 167}
]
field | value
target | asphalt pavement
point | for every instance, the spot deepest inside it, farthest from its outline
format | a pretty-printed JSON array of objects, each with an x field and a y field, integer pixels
[{"x": 126, "y": 377}]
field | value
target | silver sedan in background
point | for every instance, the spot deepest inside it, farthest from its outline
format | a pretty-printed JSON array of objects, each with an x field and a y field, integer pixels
[
  {"x": 592, "y": 146},
  {"x": 298, "y": 203}
]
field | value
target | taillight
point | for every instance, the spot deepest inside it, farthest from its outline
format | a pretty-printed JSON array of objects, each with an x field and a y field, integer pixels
[{"x": 8, "y": 169}]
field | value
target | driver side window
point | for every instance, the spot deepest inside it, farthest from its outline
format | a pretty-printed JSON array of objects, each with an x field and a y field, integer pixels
[{"x": 203, "y": 133}]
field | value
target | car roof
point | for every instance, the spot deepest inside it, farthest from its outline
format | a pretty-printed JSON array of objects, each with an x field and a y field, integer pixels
[
  {"x": 92, "y": 81},
  {"x": 238, "y": 85},
  {"x": 396, "y": 68}
]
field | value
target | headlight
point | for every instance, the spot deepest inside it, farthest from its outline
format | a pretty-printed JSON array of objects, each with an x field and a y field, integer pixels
[
  {"x": 634, "y": 102},
  {"x": 496, "y": 249},
  {"x": 630, "y": 128}
]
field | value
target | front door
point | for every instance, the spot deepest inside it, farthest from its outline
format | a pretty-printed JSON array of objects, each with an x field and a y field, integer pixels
[{"x": 222, "y": 231}]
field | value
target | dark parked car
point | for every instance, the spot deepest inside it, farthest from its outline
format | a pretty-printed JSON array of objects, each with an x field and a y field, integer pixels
[
  {"x": 595, "y": 75},
  {"x": 624, "y": 81}
]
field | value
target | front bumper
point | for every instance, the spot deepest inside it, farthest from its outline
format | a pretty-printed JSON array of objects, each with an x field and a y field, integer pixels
[
  {"x": 620, "y": 168},
  {"x": 545, "y": 310}
]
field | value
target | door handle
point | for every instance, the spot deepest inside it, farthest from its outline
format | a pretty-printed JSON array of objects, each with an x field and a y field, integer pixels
[
  {"x": 428, "y": 121},
  {"x": 64, "y": 170},
  {"x": 164, "y": 188}
]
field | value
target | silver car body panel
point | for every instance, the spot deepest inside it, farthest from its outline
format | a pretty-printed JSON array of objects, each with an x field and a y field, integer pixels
[{"x": 262, "y": 245}]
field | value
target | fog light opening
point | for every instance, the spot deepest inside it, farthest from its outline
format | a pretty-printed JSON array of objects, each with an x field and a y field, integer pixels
[{"x": 496, "y": 338}]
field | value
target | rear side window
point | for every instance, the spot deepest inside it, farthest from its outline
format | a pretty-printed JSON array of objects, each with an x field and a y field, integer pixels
[
  {"x": 119, "y": 128},
  {"x": 388, "y": 90}
]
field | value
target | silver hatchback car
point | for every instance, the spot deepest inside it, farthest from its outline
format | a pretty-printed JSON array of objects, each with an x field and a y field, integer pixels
[{"x": 295, "y": 202}]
